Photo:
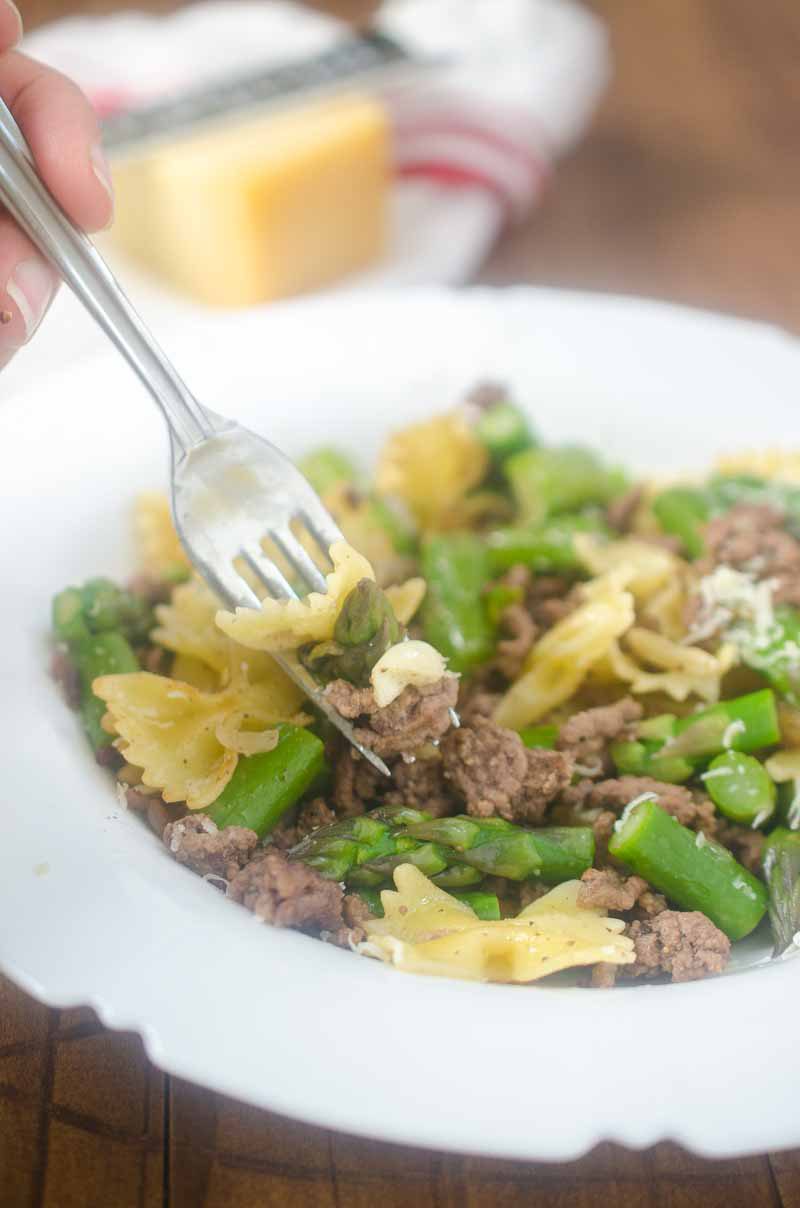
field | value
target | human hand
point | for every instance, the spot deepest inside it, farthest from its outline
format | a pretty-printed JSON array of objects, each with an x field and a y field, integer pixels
[{"x": 64, "y": 136}]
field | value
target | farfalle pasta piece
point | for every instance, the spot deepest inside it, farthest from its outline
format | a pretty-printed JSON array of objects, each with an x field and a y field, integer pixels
[
  {"x": 780, "y": 464},
  {"x": 160, "y": 551},
  {"x": 784, "y": 765},
  {"x": 406, "y": 598},
  {"x": 188, "y": 742},
  {"x": 432, "y": 466},
  {"x": 559, "y": 662},
  {"x": 649, "y": 567},
  {"x": 425, "y": 930},
  {"x": 287, "y": 624},
  {"x": 651, "y": 662},
  {"x": 187, "y": 626}
]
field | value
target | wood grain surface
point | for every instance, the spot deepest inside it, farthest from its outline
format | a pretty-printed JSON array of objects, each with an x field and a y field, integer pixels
[{"x": 687, "y": 187}]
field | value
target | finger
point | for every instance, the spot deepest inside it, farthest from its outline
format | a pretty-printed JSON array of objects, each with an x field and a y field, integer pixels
[
  {"x": 64, "y": 135},
  {"x": 27, "y": 287},
  {"x": 10, "y": 25}
]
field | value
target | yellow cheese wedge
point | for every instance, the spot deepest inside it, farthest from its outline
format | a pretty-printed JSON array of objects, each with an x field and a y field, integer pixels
[{"x": 261, "y": 208}]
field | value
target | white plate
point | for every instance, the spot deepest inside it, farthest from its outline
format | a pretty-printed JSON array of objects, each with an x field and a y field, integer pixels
[{"x": 94, "y": 911}]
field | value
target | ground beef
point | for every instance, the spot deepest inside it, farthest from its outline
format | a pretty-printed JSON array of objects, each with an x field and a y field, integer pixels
[
  {"x": 475, "y": 702},
  {"x": 492, "y": 771},
  {"x": 605, "y": 889},
  {"x": 109, "y": 757},
  {"x": 753, "y": 538},
  {"x": 199, "y": 843},
  {"x": 683, "y": 943},
  {"x": 153, "y": 591},
  {"x": 422, "y": 786},
  {"x": 356, "y": 783},
  {"x": 66, "y": 675},
  {"x": 552, "y": 598},
  {"x": 309, "y": 817},
  {"x": 604, "y": 976},
  {"x": 486, "y": 395},
  {"x": 690, "y": 809},
  {"x": 513, "y": 650},
  {"x": 620, "y": 512},
  {"x": 420, "y": 714},
  {"x": 588, "y": 735},
  {"x": 745, "y": 844},
  {"x": 355, "y": 913},
  {"x": 154, "y": 809},
  {"x": 547, "y": 598},
  {"x": 288, "y": 895}
]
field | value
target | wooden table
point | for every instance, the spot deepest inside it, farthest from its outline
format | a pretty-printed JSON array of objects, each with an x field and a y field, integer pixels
[{"x": 688, "y": 187}]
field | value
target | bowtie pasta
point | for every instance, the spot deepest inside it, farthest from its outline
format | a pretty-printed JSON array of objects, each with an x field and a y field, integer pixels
[{"x": 585, "y": 689}]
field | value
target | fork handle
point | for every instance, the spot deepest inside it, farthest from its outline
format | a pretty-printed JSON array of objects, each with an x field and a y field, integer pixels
[{"x": 85, "y": 271}]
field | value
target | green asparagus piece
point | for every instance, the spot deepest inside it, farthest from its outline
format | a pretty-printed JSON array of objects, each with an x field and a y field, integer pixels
[
  {"x": 550, "y": 853},
  {"x": 100, "y": 654},
  {"x": 454, "y": 620},
  {"x": 326, "y": 467},
  {"x": 455, "y": 852},
  {"x": 545, "y": 482},
  {"x": 498, "y": 598},
  {"x": 485, "y": 905},
  {"x": 650, "y": 758},
  {"x": 741, "y": 788},
  {"x": 504, "y": 429},
  {"x": 683, "y": 512},
  {"x": 372, "y": 899},
  {"x": 539, "y": 736},
  {"x": 265, "y": 786},
  {"x": 776, "y": 658},
  {"x": 99, "y": 606},
  {"x": 693, "y": 872},
  {"x": 781, "y": 864},
  {"x": 365, "y": 629},
  {"x": 746, "y": 723},
  {"x": 546, "y": 548}
]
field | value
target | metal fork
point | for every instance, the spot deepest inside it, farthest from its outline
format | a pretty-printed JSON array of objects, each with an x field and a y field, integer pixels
[{"x": 231, "y": 490}]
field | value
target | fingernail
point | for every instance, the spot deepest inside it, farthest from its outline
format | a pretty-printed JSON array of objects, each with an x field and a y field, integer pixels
[
  {"x": 101, "y": 169},
  {"x": 31, "y": 289},
  {"x": 18, "y": 16}
]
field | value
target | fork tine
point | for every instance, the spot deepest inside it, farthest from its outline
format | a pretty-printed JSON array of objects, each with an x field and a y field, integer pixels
[
  {"x": 299, "y": 558},
  {"x": 322, "y": 528},
  {"x": 267, "y": 573},
  {"x": 229, "y": 586}
]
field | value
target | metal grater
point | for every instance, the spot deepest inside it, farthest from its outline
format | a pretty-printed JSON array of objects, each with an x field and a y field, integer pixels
[{"x": 358, "y": 57}]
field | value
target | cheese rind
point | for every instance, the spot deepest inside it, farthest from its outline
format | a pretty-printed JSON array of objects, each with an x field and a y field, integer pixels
[{"x": 271, "y": 207}]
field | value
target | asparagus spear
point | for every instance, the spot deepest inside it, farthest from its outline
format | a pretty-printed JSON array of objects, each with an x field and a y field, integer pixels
[
  {"x": 454, "y": 618},
  {"x": 693, "y": 872},
  {"x": 485, "y": 905},
  {"x": 366, "y": 850},
  {"x": 96, "y": 655},
  {"x": 265, "y": 786},
  {"x": 99, "y": 606},
  {"x": 683, "y": 512},
  {"x": 741, "y": 788},
  {"x": 365, "y": 628},
  {"x": 746, "y": 723},
  {"x": 539, "y": 736},
  {"x": 545, "y": 482},
  {"x": 504, "y": 429},
  {"x": 547, "y": 548},
  {"x": 781, "y": 864}
]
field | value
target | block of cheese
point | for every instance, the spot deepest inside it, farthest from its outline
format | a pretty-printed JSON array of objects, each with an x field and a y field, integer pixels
[{"x": 261, "y": 207}]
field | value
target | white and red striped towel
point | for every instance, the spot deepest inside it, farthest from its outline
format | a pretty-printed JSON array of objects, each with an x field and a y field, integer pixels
[{"x": 474, "y": 141}]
